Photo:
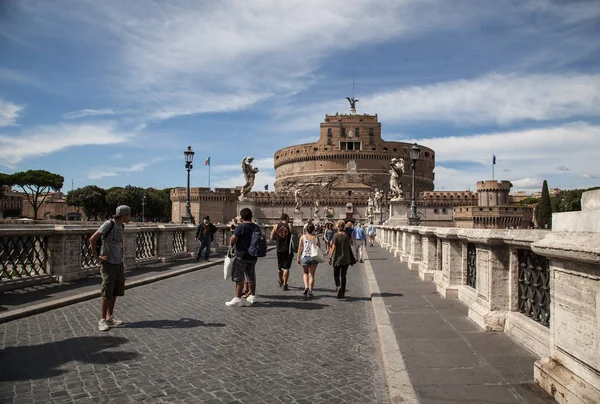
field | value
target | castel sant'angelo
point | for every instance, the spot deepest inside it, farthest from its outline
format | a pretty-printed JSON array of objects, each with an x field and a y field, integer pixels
[
  {"x": 336, "y": 176},
  {"x": 333, "y": 177}
]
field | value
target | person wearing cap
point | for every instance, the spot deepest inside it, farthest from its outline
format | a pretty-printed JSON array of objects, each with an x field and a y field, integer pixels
[
  {"x": 205, "y": 233},
  {"x": 110, "y": 258}
]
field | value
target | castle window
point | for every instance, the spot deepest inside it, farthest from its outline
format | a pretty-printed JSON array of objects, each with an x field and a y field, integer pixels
[
  {"x": 12, "y": 205},
  {"x": 329, "y": 132},
  {"x": 426, "y": 154},
  {"x": 316, "y": 149},
  {"x": 436, "y": 211},
  {"x": 395, "y": 149},
  {"x": 329, "y": 142},
  {"x": 444, "y": 210},
  {"x": 371, "y": 132},
  {"x": 343, "y": 132},
  {"x": 385, "y": 149},
  {"x": 357, "y": 132},
  {"x": 350, "y": 146}
]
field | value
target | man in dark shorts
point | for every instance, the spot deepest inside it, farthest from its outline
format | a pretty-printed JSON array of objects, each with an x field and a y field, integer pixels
[
  {"x": 282, "y": 233},
  {"x": 110, "y": 258},
  {"x": 244, "y": 264}
]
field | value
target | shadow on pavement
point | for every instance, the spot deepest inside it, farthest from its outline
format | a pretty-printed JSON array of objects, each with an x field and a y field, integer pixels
[
  {"x": 45, "y": 360},
  {"x": 166, "y": 324},
  {"x": 297, "y": 303}
]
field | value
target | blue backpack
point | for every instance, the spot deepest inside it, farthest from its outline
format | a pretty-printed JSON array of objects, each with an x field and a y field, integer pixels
[{"x": 258, "y": 243}]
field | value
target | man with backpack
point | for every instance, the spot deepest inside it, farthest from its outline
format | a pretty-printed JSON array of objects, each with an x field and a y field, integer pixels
[
  {"x": 249, "y": 243},
  {"x": 205, "y": 233},
  {"x": 371, "y": 234},
  {"x": 110, "y": 256},
  {"x": 283, "y": 234}
]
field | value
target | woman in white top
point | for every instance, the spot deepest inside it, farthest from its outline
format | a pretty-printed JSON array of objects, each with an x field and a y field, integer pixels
[{"x": 309, "y": 265}]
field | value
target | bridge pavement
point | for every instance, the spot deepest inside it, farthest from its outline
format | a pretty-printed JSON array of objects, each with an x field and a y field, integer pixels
[{"x": 181, "y": 343}]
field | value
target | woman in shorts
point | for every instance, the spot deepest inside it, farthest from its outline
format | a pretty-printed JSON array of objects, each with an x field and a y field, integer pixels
[{"x": 305, "y": 246}]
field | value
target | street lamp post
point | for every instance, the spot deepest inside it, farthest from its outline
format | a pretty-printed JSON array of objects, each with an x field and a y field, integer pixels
[
  {"x": 282, "y": 201},
  {"x": 189, "y": 158},
  {"x": 414, "y": 218}
]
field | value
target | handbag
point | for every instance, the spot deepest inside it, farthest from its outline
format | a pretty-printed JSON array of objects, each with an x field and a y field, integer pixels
[
  {"x": 228, "y": 263},
  {"x": 352, "y": 257},
  {"x": 317, "y": 254}
]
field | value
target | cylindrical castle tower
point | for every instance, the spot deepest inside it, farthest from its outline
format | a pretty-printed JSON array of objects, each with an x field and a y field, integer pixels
[
  {"x": 350, "y": 150},
  {"x": 493, "y": 193}
]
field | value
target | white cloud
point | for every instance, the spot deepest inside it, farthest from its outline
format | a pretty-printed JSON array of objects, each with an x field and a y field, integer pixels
[
  {"x": 42, "y": 140},
  {"x": 104, "y": 171},
  {"x": 95, "y": 112},
  {"x": 527, "y": 183},
  {"x": 180, "y": 57},
  {"x": 591, "y": 176},
  {"x": 9, "y": 113},
  {"x": 495, "y": 98},
  {"x": 523, "y": 156},
  {"x": 563, "y": 168}
]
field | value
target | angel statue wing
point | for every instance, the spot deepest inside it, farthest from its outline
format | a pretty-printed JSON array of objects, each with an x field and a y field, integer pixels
[{"x": 245, "y": 168}]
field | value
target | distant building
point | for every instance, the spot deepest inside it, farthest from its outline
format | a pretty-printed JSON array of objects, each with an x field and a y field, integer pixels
[
  {"x": 493, "y": 210},
  {"x": 55, "y": 206},
  {"x": 11, "y": 202}
]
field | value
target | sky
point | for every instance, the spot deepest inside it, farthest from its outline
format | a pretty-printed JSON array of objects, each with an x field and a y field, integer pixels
[{"x": 111, "y": 92}]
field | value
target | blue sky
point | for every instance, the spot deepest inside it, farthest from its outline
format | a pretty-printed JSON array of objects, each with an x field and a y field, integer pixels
[{"x": 112, "y": 92}]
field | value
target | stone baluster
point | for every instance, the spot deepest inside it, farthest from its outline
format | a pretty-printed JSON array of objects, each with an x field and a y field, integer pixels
[
  {"x": 428, "y": 254},
  {"x": 129, "y": 247},
  {"x": 64, "y": 254},
  {"x": 451, "y": 278},
  {"x": 414, "y": 258},
  {"x": 405, "y": 244}
]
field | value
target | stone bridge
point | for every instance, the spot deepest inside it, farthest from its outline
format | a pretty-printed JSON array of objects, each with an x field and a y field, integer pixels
[{"x": 434, "y": 315}]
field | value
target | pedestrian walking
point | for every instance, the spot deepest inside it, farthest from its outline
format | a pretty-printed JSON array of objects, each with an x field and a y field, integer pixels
[
  {"x": 328, "y": 236},
  {"x": 371, "y": 231},
  {"x": 282, "y": 234},
  {"x": 244, "y": 265},
  {"x": 359, "y": 240},
  {"x": 340, "y": 257},
  {"x": 308, "y": 242},
  {"x": 205, "y": 233},
  {"x": 110, "y": 256}
]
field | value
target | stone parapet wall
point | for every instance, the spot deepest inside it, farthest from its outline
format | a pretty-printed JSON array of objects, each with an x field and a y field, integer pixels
[
  {"x": 541, "y": 287},
  {"x": 35, "y": 254}
]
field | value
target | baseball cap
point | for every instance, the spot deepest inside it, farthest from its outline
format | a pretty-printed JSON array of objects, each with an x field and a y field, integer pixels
[{"x": 123, "y": 210}]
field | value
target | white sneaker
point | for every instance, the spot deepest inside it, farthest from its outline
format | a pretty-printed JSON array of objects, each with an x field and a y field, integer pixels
[
  {"x": 236, "y": 301},
  {"x": 113, "y": 321},
  {"x": 103, "y": 325},
  {"x": 250, "y": 300}
]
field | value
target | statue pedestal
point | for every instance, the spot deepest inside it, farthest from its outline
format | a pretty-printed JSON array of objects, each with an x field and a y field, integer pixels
[
  {"x": 248, "y": 203},
  {"x": 398, "y": 213},
  {"x": 298, "y": 218}
]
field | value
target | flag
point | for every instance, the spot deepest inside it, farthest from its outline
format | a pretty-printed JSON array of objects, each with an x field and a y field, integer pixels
[
  {"x": 207, "y": 162},
  {"x": 267, "y": 187},
  {"x": 493, "y": 159}
]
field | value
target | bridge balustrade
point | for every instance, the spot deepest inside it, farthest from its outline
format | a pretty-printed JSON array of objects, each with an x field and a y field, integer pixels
[
  {"x": 541, "y": 287},
  {"x": 37, "y": 254}
]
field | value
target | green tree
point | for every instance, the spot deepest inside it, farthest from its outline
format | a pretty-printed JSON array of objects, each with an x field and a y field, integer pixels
[
  {"x": 91, "y": 198},
  {"x": 543, "y": 210},
  {"x": 37, "y": 185}
]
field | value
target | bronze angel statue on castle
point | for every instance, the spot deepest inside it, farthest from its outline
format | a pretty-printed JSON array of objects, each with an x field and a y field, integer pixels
[{"x": 352, "y": 102}]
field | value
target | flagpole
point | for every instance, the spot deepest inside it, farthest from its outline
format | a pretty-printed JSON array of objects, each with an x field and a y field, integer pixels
[{"x": 209, "y": 173}]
